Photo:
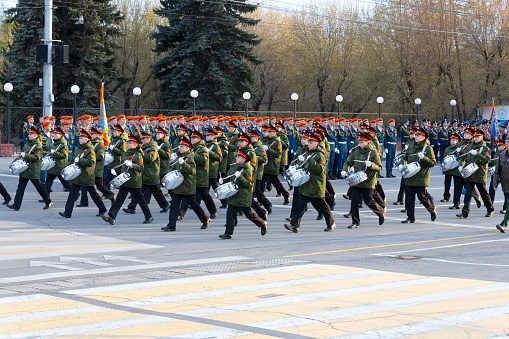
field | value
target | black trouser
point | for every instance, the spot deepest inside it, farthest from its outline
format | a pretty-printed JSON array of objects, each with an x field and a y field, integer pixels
[
  {"x": 4, "y": 193},
  {"x": 20, "y": 192},
  {"x": 459, "y": 183},
  {"x": 73, "y": 196},
  {"x": 295, "y": 199},
  {"x": 379, "y": 195},
  {"x": 259, "y": 210},
  {"x": 149, "y": 191},
  {"x": 49, "y": 182},
  {"x": 260, "y": 195},
  {"x": 122, "y": 195},
  {"x": 202, "y": 193},
  {"x": 366, "y": 194},
  {"x": 491, "y": 191},
  {"x": 176, "y": 201},
  {"x": 447, "y": 186},
  {"x": 100, "y": 186},
  {"x": 423, "y": 197},
  {"x": 213, "y": 183},
  {"x": 401, "y": 193},
  {"x": 274, "y": 180},
  {"x": 108, "y": 177},
  {"x": 318, "y": 203},
  {"x": 329, "y": 188},
  {"x": 469, "y": 188},
  {"x": 231, "y": 217}
]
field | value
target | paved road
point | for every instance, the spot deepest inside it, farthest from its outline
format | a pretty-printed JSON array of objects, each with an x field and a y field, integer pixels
[{"x": 71, "y": 277}]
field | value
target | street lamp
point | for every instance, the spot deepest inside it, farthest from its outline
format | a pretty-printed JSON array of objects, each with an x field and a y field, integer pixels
[
  {"x": 246, "y": 97},
  {"x": 380, "y": 101},
  {"x": 339, "y": 99},
  {"x": 294, "y": 97},
  {"x": 453, "y": 103},
  {"x": 417, "y": 103},
  {"x": 75, "y": 89},
  {"x": 194, "y": 95},
  {"x": 8, "y": 89},
  {"x": 136, "y": 92}
]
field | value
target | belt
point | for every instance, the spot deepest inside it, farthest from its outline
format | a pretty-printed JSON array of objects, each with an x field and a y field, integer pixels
[
  {"x": 331, "y": 142},
  {"x": 390, "y": 142},
  {"x": 342, "y": 142}
]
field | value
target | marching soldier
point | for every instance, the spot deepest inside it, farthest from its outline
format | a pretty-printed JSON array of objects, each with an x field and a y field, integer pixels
[
  {"x": 46, "y": 141},
  {"x": 58, "y": 153},
  {"x": 223, "y": 145},
  {"x": 449, "y": 174},
  {"x": 84, "y": 157},
  {"x": 163, "y": 148},
  {"x": 186, "y": 190},
  {"x": 215, "y": 157},
  {"x": 241, "y": 173},
  {"x": 31, "y": 153},
  {"x": 273, "y": 149},
  {"x": 117, "y": 148},
  {"x": 501, "y": 176},
  {"x": 132, "y": 163},
  {"x": 491, "y": 164},
  {"x": 5, "y": 195},
  {"x": 390, "y": 140},
  {"x": 261, "y": 157},
  {"x": 301, "y": 151},
  {"x": 232, "y": 137}
]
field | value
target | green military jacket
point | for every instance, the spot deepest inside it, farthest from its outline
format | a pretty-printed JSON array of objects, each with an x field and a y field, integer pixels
[
  {"x": 357, "y": 159},
  {"x": 261, "y": 159},
  {"x": 215, "y": 157},
  {"x": 60, "y": 155},
  {"x": 244, "y": 197},
  {"x": 273, "y": 155},
  {"x": 283, "y": 136},
  {"x": 87, "y": 160},
  {"x": 33, "y": 156},
  {"x": 188, "y": 170},
  {"x": 223, "y": 144},
  {"x": 99, "y": 150},
  {"x": 233, "y": 145},
  {"x": 316, "y": 166},
  {"x": 428, "y": 162},
  {"x": 135, "y": 155},
  {"x": 481, "y": 158},
  {"x": 164, "y": 150},
  {"x": 117, "y": 147},
  {"x": 201, "y": 158},
  {"x": 151, "y": 164}
]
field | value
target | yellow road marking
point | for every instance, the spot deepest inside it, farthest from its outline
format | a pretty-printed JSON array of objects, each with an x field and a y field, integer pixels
[
  {"x": 39, "y": 305},
  {"x": 390, "y": 245}
]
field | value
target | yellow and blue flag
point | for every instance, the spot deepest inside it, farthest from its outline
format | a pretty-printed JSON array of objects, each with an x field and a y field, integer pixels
[{"x": 104, "y": 119}]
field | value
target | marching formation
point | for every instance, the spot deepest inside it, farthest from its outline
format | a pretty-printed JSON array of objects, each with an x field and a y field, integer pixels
[{"x": 241, "y": 158}]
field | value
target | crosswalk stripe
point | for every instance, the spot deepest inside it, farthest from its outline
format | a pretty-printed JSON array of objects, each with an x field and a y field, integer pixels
[
  {"x": 49, "y": 313},
  {"x": 24, "y": 298},
  {"x": 36, "y": 245}
]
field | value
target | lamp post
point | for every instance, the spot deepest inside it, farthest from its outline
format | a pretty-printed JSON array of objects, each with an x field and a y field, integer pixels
[
  {"x": 380, "y": 101},
  {"x": 339, "y": 99},
  {"x": 294, "y": 97},
  {"x": 8, "y": 89},
  {"x": 136, "y": 92},
  {"x": 75, "y": 89},
  {"x": 453, "y": 103},
  {"x": 417, "y": 103},
  {"x": 194, "y": 95},
  {"x": 246, "y": 97}
]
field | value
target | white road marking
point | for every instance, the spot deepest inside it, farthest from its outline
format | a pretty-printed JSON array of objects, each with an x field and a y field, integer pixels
[
  {"x": 125, "y": 258},
  {"x": 25, "y": 298},
  {"x": 50, "y": 313},
  {"x": 58, "y": 265},
  {"x": 465, "y": 263},
  {"x": 84, "y": 260}
]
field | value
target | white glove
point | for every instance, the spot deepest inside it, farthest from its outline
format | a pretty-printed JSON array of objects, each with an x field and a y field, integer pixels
[
  {"x": 76, "y": 159},
  {"x": 220, "y": 181},
  {"x": 113, "y": 172},
  {"x": 460, "y": 168},
  {"x": 386, "y": 150},
  {"x": 111, "y": 147},
  {"x": 129, "y": 163},
  {"x": 400, "y": 168},
  {"x": 265, "y": 147},
  {"x": 301, "y": 157},
  {"x": 343, "y": 174},
  {"x": 181, "y": 161},
  {"x": 227, "y": 142},
  {"x": 237, "y": 174},
  {"x": 52, "y": 151},
  {"x": 368, "y": 163},
  {"x": 458, "y": 149},
  {"x": 292, "y": 151},
  {"x": 406, "y": 146},
  {"x": 473, "y": 152},
  {"x": 337, "y": 151},
  {"x": 22, "y": 154},
  {"x": 421, "y": 155}
]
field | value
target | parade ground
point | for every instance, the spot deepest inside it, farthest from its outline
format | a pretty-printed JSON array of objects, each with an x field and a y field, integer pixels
[{"x": 83, "y": 278}]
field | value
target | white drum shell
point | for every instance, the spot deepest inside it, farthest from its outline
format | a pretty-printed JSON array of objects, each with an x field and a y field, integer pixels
[
  {"x": 298, "y": 178},
  {"x": 491, "y": 170},
  {"x": 120, "y": 179},
  {"x": 173, "y": 157},
  {"x": 356, "y": 178},
  {"x": 108, "y": 158},
  {"x": 227, "y": 190},
  {"x": 397, "y": 159},
  {"x": 450, "y": 162},
  {"x": 288, "y": 173},
  {"x": 18, "y": 166},
  {"x": 172, "y": 179},
  {"x": 469, "y": 170},
  {"x": 47, "y": 163},
  {"x": 71, "y": 172},
  {"x": 411, "y": 169}
]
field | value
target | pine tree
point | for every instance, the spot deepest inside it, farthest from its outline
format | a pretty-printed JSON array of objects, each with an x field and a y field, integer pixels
[
  {"x": 91, "y": 50},
  {"x": 206, "y": 48}
]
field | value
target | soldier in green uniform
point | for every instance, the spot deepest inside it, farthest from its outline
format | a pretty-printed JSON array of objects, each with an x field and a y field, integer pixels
[
  {"x": 85, "y": 158},
  {"x": 31, "y": 153},
  {"x": 273, "y": 148},
  {"x": 117, "y": 148},
  {"x": 185, "y": 191},
  {"x": 232, "y": 138},
  {"x": 241, "y": 173},
  {"x": 58, "y": 153},
  {"x": 450, "y": 173},
  {"x": 421, "y": 152},
  {"x": 492, "y": 164},
  {"x": 46, "y": 141},
  {"x": 285, "y": 144},
  {"x": 150, "y": 176},
  {"x": 261, "y": 157},
  {"x": 478, "y": 153},
  {"x": 365, "y": 159},
  {"x": 501, "y": 177},
  {"x": 303, "y": 150},
  {"x": 132, "y": 163},
  {"x": 215, "y": 158},
  {"x": 314, "y": 189},
  {"x": 164, "y": 150}
]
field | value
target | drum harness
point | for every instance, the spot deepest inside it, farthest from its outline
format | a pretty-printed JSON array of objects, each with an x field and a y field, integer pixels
[{"x": 30, "y": 151}]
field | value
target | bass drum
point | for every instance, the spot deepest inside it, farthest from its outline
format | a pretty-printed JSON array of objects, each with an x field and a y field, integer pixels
[
  {"x": 47, "y": 163},
  {"x": 71, "y": 172},
  {"x": 227, "y": 190},
  {"x": 108, "y": 158},
  {"x": 120, "y": 179},
  {"x": 18, "y": 166},
  {"x": 172, "y": 180}
]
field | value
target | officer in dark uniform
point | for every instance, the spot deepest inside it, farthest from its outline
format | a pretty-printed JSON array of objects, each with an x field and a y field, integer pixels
[
  {"x": 443, "y": 138},
  {"x": 341, "y": 146},
  {"x": 390, "y": 140},
  {"x": 403, "y": 132}
]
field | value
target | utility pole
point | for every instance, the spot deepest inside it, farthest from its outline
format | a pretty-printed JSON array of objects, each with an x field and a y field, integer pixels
[{"x": 47, "y": 88}]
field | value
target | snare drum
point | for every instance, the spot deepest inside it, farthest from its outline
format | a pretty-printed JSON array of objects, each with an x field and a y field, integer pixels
[
  {"x": 120, "y": 179},
  {"x": 173, "y": 157},
  {"x": 469, "y": 170},
  {"x": 288, "y": 173},
  {"x": 450, "y": 162},
  {"x": 356, "y": 178},
  {"x": 411, "y": 169},
  {"x": 172, "y": 179},
  {"x": 18, "y": 166},
  {"x": 298, "y": 178},
  {"x": 227, "y": 190},
  {"x": 47, "y": 163},
  {"x": 491, "y": 170},
  {"x": 70, "y": 172},
  {"x": 397, "y": 159},
  {"x": 108, "y": 158}
]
